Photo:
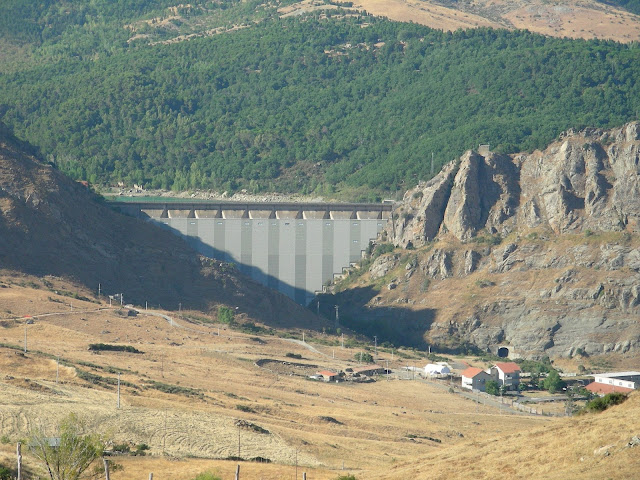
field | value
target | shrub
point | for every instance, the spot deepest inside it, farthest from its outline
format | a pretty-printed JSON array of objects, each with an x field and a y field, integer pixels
[
  {"x": 346, "y": 477},
  {"x": 97, "y": 347},
  {"x": 553, "y": 382},
  {"x": 225, "y": 315},
  {"x": 600, "y": 404},
  {"x": 121, "y": 448},
  {"x": 492, "y": 387},
  {"x": 293, "y": 355},
  {"x": 364, "y": 357},
  {"x": 5, "y": 473},
  {"x": 245, "y": 408}
]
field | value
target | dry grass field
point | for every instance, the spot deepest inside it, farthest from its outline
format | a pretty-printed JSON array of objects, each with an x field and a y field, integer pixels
[
  {"x": 572, "y": 19},
  {"x": 385, "y": 429}
]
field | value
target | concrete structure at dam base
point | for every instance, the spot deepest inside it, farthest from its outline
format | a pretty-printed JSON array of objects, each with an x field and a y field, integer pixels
[{"x": 295, "y": 248}]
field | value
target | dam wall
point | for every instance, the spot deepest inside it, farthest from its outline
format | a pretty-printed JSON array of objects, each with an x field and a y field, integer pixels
[{"x": 293, "y": 248}]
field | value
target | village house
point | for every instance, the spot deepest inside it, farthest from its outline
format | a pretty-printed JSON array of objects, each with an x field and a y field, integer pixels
[
  {"x": 622, "y": 382},
  {"x": 507, "y": 374},
  {"x": 328, "y": 376},
  {"x": 475, "y": 378}
]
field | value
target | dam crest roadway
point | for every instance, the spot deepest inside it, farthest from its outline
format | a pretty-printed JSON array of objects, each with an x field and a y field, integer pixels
[{"x": 295, "y": 248}]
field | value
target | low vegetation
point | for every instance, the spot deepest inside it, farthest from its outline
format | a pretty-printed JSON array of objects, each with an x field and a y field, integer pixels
[
  {"x": 102, "y": 347},
  {"x": 600, "y": 404}
]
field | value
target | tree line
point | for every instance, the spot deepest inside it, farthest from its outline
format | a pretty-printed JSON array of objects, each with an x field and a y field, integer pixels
[{"x": 332, "y": 104}]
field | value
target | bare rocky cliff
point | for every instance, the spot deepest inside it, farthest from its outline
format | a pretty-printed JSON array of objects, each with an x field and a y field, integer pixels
[{"x": 535, "y": 252}]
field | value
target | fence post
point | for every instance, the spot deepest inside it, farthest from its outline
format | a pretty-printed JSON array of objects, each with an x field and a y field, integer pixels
[
  {"x": 238, "y": 472},
  {"x": 304, "y": 475},
  {"x": 106, "y": 468},
  {"x": 151, "y": 476},
  {"x": 19, "y": 454}
]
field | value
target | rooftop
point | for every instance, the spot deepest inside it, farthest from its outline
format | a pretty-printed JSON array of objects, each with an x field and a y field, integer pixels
[
  {"x": 472, "y": 372},
  {"x": 617, "y": 374},
  {"x": 508, "y": 367},
  {"x": 604, "y": 388}
]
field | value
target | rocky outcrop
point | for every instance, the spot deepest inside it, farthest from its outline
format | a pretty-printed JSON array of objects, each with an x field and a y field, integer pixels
[
  {"x": 586, "y": 181},
  {"x": 539, "y": 252}
]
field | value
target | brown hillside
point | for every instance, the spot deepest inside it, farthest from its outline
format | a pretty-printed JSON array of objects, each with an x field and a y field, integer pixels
[
  {"x": 50, "y": 225},
  {"x": 573, "y": 19},
  {"x": 593, "y": 446}
]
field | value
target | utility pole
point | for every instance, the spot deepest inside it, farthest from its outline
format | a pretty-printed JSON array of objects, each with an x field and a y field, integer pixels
[
  {"x": 343, "y": 340},
  {"x": 238, "y": 441},
  {"x": 121, "y": 299},
  {"x": 296, "y": 464},
  {"x": 179, "y": 307},
  {"x": 25, "y": 339},
  {"x": 375, "y": 339},
  {"x": 337, "y": 316},
  {"x": 57, "y": 369},
  {"x": 99, "y": 289},
  {"x": 118, "y": 390},
  {"x": 318, "y": 308}
]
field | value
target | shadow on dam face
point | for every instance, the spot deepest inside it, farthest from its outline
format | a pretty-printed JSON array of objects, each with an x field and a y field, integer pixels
[{"x": 295, "y": 256}]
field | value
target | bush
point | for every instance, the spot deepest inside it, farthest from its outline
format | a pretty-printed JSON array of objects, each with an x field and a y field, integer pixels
[
  {"x": 363, "y": 357},
  {"x": 5, "y": 473},
  {"x": 553, "y": 382},
  {"x": 97, "y": 347},
  {"x": 493, "y": 387},
  {"x": 600, "y": 404},
  {"x": 347, "y": 477},
  {"x": 225, "y": 315}
]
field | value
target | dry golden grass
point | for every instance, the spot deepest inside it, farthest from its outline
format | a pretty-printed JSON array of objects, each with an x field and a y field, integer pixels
[
  {"x": 573, "y": 19},
  {"x": 372, "y": 439}
]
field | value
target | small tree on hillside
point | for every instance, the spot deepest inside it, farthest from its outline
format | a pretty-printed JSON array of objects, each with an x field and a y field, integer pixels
[
  {"x": 553, "y": 382},
  {"x": 363, "y": 357},
  {"x": 70, "y": 451}
]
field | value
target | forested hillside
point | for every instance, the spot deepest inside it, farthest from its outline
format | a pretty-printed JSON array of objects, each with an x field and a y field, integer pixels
[
  {"x": 333, "y": 103},
  {"x": 631, "y": 5}
]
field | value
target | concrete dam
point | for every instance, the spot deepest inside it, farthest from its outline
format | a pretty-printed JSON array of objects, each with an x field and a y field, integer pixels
[{"x": 291, "y": 247}]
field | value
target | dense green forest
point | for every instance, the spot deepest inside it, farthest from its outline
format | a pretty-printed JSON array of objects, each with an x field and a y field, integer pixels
[
  {"x": 632, "y": 6},
  {"x": 337, "y": 104}
]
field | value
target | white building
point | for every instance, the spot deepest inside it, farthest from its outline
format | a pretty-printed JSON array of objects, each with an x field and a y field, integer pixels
[
  {"x": 623, "y": 382},
  {"x": 475, "y": 378},
  {"x": 436, "y": 369},
  {"x": 507, "y": 374}
]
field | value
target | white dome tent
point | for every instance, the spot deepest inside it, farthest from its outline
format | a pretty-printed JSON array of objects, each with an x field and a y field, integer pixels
[{"x": 437, "y": 369}]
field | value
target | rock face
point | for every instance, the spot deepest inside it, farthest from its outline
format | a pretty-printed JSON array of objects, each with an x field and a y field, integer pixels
[
  {"x": 538, "y": 252},
  {"x": 587, "y": 180}
]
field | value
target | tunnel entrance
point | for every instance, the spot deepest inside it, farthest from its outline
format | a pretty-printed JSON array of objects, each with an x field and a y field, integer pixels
[{"x": 503, "y": 352}]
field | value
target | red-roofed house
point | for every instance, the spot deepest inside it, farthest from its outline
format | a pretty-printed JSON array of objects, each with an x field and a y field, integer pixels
[
  {"x": 328, "y": 376},
  {"x": 475, "y": 378},
  {"x": 507, "y": 374},
  {"x": 603, "y": 388},
  {"x": 623, "y": 382}
]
